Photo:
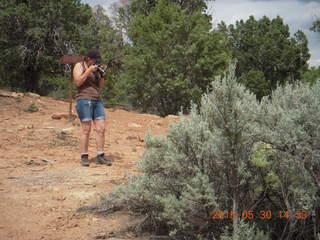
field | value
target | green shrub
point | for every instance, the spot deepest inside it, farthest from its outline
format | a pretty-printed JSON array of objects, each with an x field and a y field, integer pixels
[
  {"x": 195, "y": 168},
  {"x": 32, "y": 108},
  {"x": 236, "y": 154},
  {"x": 290, "y": 125},
  {"x": 245, "y": 231}
]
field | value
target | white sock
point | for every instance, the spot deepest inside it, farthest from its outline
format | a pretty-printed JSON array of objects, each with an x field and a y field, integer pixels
[{"x": 100, "y": 153}]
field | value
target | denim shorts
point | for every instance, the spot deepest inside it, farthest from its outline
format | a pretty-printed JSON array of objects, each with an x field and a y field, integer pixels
[{"x": 89, "y": 110}]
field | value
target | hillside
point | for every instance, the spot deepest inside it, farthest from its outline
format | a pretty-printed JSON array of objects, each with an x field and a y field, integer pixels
[{"x": 41, "y": 181}]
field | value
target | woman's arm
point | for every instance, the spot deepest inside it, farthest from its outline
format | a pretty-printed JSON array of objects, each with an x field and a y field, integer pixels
[
  {"x": 101, "y": 82},
  {"x": 79, "y": 76}
]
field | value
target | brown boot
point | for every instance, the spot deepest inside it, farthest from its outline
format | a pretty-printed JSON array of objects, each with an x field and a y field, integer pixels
[
  {"x": 102, "y": 160},
  {"x": 85, "y": 160}
]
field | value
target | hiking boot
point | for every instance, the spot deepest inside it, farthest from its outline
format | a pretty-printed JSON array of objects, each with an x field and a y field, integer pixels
[
  {"x": 102, "y": 160},
  {"x": 85, "y": 160}
]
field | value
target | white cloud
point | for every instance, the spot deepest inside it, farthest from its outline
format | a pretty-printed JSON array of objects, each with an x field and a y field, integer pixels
[{"x": 292, "y": 11}]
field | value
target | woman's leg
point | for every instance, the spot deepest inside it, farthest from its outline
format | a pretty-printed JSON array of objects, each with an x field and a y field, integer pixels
[
  {"x": 100, "y": 122},
  {"x": 100, "y": 130},
  {"x": 85, "y": 111},
  {"x": 85, "y": 135},
  {"x": 100, "y": 134},
  {"x": 99, "y": 118}
]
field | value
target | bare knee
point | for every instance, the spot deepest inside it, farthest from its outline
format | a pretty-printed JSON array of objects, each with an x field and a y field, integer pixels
[
  {"x": 100, "y": 127},
  {"x": 100, "y": 130},
  {"x": 86, "y": 128}
]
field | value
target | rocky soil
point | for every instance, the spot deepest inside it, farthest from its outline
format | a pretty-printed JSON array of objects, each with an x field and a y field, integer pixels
[{"x": 42, "y": 184}]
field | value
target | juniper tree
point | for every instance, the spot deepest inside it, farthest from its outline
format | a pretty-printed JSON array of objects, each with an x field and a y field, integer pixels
[
  {"x": 172, "y": 58},
  {"x": 312, "y": 75},
  {"x": 34, "y": 34},
  {"x": 267, "y": 55}
]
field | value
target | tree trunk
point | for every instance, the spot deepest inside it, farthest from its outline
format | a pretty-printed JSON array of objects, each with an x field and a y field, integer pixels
[{"x": 31, "y": 80}]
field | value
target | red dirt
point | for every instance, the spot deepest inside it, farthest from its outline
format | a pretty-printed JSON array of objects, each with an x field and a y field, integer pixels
[{"x": 42, "y": 183}]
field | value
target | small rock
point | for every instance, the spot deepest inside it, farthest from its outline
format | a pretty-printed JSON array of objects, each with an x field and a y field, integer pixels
[
  {"x": 46, "y": 160},
  {"x": 70, "y": 129},
  {"x": 11, "y": 177},
  {"x": 102, "y": 235},
  {"x": 172, "y": 118},
  {"x": 32, "y": 163},
  {"x": 159, "y": 122},
  {"x": 131, "y": 235},
  {"x": 58, "y": 116},
  {"x": 21, "y": 128},
  {"x": 140, "y": 139},
  {"x": 131, "y": 138},
  {"x": 17, "y": 95},
  {"x": 60, "y": 198},
  {"x": 134, "y": 125},
  {"x": 10, "y": 94},
  {"x": 33, "y": 95}
]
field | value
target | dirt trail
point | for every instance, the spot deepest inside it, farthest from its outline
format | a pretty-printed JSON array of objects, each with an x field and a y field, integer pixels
[{"x": 41, "y": 181}]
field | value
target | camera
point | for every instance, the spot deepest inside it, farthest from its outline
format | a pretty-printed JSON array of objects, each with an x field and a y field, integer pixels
[{"x": 100, "y": 68}]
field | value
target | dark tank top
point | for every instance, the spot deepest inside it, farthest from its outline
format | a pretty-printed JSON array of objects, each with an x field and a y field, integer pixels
[{"x": 89, "y": 89}]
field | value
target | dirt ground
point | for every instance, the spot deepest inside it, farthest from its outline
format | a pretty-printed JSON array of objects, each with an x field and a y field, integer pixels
[{"x": 42, "y": 183}]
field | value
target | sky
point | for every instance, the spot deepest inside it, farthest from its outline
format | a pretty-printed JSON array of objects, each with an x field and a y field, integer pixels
[{"x": 298, "y": 14}]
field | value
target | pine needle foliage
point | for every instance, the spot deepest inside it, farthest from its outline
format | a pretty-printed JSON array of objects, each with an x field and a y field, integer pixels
[{"x": 172, "y": 58}]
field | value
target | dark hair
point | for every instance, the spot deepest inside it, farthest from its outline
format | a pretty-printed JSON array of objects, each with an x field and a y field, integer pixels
[{"x": 94, "y": 54}]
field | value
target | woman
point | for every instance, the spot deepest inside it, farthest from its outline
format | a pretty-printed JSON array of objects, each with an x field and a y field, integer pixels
[{"x": 89, "y": 106}]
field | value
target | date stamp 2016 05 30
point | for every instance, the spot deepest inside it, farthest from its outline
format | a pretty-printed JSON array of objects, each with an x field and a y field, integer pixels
[{"x": 261, "y": 214}]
